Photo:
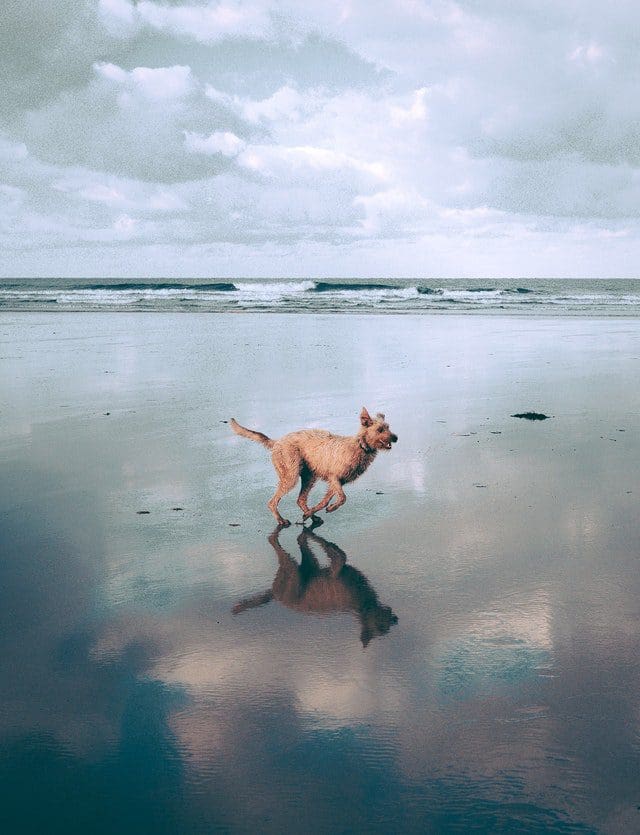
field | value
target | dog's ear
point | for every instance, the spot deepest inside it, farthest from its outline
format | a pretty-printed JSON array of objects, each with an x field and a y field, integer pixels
[
  {"x": 380, "y": 416},
  {"x": 365, "y": 417}
]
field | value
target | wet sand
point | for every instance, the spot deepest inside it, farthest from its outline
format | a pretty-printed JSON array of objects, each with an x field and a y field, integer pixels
[{"x": 170, "y": 666}]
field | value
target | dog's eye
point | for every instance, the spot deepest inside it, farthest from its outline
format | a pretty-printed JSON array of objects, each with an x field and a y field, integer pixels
[{"x": 380, "y": 429}]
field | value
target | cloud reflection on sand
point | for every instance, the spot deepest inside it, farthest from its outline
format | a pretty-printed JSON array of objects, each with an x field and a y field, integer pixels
[
  {"x": 507, "y": 692},
  {"x": 340, "y": 688}
]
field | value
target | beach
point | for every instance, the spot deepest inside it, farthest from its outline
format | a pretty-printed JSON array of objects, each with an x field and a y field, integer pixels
[{"x": 504, "y": 698}]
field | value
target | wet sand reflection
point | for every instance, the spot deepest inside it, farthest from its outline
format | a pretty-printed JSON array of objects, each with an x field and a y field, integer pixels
[{"x": 309, "y": 588}]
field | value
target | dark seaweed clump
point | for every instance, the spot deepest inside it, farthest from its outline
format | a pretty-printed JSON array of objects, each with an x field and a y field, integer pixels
[{"x": 531, "y": 416}]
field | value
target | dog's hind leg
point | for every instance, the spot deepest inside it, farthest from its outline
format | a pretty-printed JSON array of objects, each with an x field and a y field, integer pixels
[
  {"x": 288, "y": 474},
  {"x": 282, "y": 489},
  {"x": 308, "y": 480}
]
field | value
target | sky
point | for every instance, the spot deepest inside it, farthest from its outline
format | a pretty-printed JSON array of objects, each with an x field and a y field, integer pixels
[{"x": 365, "y": 138}]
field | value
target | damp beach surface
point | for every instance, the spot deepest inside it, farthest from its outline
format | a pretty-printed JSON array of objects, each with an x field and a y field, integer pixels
[{"x": 454, "y": 650}]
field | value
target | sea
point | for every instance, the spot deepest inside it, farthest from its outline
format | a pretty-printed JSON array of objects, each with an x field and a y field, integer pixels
[{"x": 548, "y": 297}]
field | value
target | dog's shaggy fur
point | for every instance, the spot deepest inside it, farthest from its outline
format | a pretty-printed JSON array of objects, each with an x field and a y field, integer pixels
[{"x": 315, "y": 454}]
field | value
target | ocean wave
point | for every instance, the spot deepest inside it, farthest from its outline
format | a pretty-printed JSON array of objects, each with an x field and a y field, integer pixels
[
  {"x": 307, "y": 295},
  {"x": 217, "y": 286},
  {"x": 349, "y": 286}
]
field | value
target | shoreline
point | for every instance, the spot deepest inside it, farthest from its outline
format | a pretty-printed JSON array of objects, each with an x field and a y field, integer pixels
[{"x": 490, "y": 314}]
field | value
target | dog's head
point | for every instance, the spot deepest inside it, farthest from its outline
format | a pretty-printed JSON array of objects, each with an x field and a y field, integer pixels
[
  {"x": 375, "y": 622},
  {"x": 375, "y": 431}
]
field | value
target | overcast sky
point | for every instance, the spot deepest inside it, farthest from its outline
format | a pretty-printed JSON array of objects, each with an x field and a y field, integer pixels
[{"x": 320, "y": 138}]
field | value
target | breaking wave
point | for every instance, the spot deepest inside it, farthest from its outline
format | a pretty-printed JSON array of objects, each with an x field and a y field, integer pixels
[{"x": 543, "y": 296}]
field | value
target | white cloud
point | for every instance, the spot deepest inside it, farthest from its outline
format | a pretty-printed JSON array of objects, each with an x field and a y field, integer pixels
[
  {"x": 118, "y": 15},
  {"x": 125, "y": 226},
  {"x": 286, "y": 104},
  {"x": 589, "y": 53},
  {"x": 156, "y": 83},
  {"x": 327, "y": 125},
  {"x": 204, "y": 23},
  {"x": 111, "y": 72},
  {"x": 416, "y": 111},
  {"x": 219, "y": 142},
  {"x": 120, "y": 193},
  {"x": 12, "y": 151},
  {"x": 393, "y": 211},
  {"x": 304, "y": 160}
]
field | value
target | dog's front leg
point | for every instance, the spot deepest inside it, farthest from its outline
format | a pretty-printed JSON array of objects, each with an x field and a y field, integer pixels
[
  {"x": 324, "y": 502},
  {"x": 340, "y": 500}
]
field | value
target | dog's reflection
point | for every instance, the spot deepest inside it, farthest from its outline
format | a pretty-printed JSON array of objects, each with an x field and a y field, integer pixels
[{"x": 309, "y": 588}]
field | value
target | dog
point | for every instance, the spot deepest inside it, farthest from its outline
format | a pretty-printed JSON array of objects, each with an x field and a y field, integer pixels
[
  {"x": 313, "y": 454},
  {"x": 314, "y": 590}
]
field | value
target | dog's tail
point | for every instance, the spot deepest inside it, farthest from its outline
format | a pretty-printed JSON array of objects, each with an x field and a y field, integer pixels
[
  {"x": 253, "y": 602},
  {"x": 249, "y": 433}
]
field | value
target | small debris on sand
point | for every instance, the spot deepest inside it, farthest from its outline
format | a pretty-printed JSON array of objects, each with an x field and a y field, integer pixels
[
  {"x": 234, "y": 524},
  {"x": 143, "y": 512},
  {"x": 177, "y": 508},
  {"x": 224, "y": 421},
  {"x": 495, "y": 433},
  {"x": 531, "y": 416},
  {"x": 107, "y": 413},
  {"x": 379, "y": 493}
]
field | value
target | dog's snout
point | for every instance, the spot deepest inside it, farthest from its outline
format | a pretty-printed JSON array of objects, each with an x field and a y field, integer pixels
[{"x": 394, "y": 438}]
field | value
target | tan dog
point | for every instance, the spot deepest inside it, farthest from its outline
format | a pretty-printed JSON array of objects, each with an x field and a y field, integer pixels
[
  {"x": 314, "y": 590},
  {"x": 313, "y": 454}
]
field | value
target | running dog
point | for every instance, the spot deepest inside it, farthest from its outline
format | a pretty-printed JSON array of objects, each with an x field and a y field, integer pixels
[{"x": 313, "y": 454}]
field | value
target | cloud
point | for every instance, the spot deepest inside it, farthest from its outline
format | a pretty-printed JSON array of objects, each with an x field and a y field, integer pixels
[
  {"x": 219, "y": 142},
  {"x": 204, "y": 22},
  {"x": 286, "y": 103},
  {"x": 156, "y": 83},
  {"x": 326, "y": 122},
  {"x": 118, "y": 15},
  {"x": 392, "y": 210},
  {"x": 130, "y": 123},
  {"x": 120, "y": 193},
  {"x": 589, "y": 53},
  {"x": 304, "y": 160}
]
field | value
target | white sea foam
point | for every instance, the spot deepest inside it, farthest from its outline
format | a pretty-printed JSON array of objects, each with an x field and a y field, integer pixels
[
  {"x": 271, "y": 290},
  {"x": 552, "y": 297}
]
